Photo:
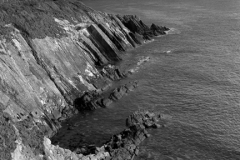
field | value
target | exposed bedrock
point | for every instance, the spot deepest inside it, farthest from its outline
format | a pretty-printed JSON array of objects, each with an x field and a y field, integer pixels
[
  {"x": 141, "y": 31},
  {"x": 51, "y": 54},
  {"x": 94, "y": 100}
]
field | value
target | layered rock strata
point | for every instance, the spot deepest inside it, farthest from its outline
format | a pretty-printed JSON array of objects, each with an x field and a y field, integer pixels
[
  {"x": 52, "y": 53},
  {"x": 93, "y": 100}
]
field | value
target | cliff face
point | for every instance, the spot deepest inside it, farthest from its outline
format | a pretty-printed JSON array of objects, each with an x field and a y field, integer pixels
[{"x": 52, "y": 53}]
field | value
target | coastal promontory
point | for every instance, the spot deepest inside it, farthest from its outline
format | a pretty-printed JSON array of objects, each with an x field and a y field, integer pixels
[{"x": 57, "y": 58}]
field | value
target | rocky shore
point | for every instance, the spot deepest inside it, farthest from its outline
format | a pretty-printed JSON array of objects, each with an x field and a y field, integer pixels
[
  {"x": 59, "y": 58},
  {"x": 122, "y": 146}
]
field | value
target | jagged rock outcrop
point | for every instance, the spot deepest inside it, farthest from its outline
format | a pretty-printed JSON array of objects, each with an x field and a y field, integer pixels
[
  {"x": 141, "y": 31},
  {"x": 93, "y": 100},
  {"x": 122, "y": 146},
  {"x": 52, "y": 53}
]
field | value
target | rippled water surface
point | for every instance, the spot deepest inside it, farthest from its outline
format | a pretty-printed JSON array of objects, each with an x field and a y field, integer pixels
[{"x": 193, "y": 77}]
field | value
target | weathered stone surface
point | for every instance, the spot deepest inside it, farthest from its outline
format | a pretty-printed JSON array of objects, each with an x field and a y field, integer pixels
[
  {"x": 93, "y": 100},
  {"x": 104, "y": 43},
  {"x": 118, "y": 93},
  {"x": 124, "y": 30},
  {"x": 141, "y": 31},
  {"x": 107, "y": 102}
]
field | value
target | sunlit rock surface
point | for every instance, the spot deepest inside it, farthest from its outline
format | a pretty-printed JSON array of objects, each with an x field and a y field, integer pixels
[{"x": 51, "y": 53}]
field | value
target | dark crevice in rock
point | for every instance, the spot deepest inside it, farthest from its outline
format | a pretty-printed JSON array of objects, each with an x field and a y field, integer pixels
[
  {"x": 99, "y": 61},
  {"x": 104, "y": 43},
  {"x": 111, "y": 37},
  {"x": 101, "y": 50},
  {"x": 122, "y": 27},
  {"x": 137, "y": 38}
]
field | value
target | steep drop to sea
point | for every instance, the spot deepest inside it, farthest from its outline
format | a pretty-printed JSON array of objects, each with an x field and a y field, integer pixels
[
  {"x": 58, "y": 58},
  {"x": 192, "y": 76}
]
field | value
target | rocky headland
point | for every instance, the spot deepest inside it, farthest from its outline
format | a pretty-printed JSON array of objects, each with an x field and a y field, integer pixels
[{"x": 58, "y": 58}]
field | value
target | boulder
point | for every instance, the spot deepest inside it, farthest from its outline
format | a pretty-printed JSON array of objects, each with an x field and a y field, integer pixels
[
  {"x": 106, "y": 102},
  {"x": 118, "y": 93}
]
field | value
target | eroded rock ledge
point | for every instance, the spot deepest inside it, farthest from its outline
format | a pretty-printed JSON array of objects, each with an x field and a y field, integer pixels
[{"x": 53, "y": 53}]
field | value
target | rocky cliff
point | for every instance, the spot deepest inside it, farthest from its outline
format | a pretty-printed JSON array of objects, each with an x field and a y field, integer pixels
[{"x": 53, "y": 54}]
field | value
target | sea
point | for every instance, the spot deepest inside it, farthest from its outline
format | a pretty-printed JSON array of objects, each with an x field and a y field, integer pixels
[{"x": 192, "y": 77}]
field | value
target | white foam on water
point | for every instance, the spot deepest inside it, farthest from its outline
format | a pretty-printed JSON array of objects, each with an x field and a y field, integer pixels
[
  {"x": 168, "y": 51},
  {"x": 173, "y": 31},
  {"x": 144, "y": 59},
  {"x": 139, "y": 63}
]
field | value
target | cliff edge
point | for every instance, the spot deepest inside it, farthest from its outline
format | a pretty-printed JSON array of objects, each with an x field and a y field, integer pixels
[{"x": 53, "y": 52}]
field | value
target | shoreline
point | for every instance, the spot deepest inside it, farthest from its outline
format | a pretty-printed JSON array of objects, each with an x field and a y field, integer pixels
[
  {"x": 59, "y": 58},
  {"x": 100, "y": 149}
]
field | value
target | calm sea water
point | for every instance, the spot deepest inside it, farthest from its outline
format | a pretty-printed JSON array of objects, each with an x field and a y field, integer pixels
[{"x": 193, "y": 78}]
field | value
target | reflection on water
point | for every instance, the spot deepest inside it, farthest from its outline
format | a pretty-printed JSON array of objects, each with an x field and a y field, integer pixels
[{"x": 192, "y": 75}]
